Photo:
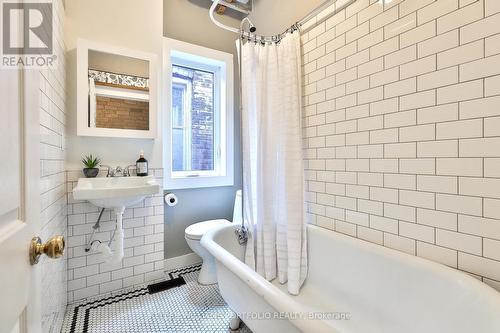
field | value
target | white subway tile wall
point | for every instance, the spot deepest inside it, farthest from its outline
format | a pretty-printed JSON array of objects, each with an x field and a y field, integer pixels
[
  {"x": 88, "y": 273},
  {"x": 402, "y": 128},
  {"x": 53, "y": 177}
]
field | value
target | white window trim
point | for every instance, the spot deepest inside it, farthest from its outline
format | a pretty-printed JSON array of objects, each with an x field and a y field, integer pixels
[{"x": 201, "y": 179}]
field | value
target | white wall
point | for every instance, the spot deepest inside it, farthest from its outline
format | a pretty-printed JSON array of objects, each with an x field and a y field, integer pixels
[
  {"x": 402, "y": 129},
  {"x": 127, "y": 23},
  {"x": 53, "y": 177}
]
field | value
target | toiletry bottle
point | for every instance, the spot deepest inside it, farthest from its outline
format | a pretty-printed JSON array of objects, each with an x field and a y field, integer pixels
[{"x": 142, "y": 166}]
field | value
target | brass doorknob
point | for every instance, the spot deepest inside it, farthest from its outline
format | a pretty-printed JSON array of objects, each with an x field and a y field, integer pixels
[{"x": 54, "y": 248}]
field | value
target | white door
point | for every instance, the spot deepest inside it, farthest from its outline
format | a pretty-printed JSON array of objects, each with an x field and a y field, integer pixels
[{"x": 19, "y": 200}]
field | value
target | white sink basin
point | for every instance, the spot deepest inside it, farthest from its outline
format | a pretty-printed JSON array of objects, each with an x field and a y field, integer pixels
[{"x": 115, "y": 192}]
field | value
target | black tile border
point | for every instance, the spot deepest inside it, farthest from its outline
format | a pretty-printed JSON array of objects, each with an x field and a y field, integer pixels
[
  {"x": 107, "y": 300},
  {"x": 91, "y": 305}
]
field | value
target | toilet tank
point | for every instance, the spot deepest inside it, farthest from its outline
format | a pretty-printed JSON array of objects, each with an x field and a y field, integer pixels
[{"x": 238, "y": 202}]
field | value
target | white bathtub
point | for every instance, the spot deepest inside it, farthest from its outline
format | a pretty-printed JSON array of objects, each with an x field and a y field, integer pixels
[{"x": 381, "y": 290}]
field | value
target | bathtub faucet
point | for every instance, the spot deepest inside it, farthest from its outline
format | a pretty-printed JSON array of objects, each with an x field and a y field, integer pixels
[{"x": 242, "y": 235}]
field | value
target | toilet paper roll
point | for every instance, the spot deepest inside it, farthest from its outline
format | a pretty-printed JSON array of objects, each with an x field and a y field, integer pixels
[{"x": 171, "y": 199}]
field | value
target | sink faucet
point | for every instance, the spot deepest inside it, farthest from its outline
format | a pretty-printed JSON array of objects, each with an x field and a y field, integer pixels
[{"x": 118, "y": 171}]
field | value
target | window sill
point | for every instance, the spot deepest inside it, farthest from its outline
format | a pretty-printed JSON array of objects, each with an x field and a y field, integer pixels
[{"x": 197, "y": 182}]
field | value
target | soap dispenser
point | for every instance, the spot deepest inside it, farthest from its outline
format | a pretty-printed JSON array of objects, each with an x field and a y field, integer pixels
[{"x": 141, "y": 166}]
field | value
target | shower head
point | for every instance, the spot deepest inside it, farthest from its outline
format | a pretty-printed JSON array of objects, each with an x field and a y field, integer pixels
[{"x": 251, "y": 26}]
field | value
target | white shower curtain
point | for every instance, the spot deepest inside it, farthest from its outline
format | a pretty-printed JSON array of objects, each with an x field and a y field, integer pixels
[{"x": 273, "y": 170}]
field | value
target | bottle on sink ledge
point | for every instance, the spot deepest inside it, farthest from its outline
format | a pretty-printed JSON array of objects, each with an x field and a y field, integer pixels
[{"x": 141, "y": 166}]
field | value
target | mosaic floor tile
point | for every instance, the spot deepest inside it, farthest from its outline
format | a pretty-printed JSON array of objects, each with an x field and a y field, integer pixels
[{"x": 189, "y": 308}]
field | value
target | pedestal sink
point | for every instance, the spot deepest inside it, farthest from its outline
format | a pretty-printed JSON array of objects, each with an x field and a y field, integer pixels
[{"x": 116, "y": 193}]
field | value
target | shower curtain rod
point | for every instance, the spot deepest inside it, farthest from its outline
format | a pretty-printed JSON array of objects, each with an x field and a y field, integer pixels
[{"x": 296, "y": 26}]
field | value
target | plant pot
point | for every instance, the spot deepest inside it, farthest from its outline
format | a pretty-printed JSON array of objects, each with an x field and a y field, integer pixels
[{"x": 90, "y": 172}]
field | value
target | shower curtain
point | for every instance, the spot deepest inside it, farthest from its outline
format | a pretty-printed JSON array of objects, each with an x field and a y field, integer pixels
[{"x": 273, "y": 170}]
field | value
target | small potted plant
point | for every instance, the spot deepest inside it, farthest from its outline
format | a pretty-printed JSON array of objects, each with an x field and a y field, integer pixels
[{"x": 91, "y": 170}]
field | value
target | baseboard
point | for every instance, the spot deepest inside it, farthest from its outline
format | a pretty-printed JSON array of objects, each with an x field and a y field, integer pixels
[{"x": 182, "y": 261}]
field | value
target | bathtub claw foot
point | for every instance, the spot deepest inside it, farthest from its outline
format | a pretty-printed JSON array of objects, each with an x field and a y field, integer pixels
[{"x": 235, "y": 322}]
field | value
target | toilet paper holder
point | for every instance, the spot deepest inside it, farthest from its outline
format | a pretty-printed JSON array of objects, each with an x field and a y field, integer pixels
[{"x": 171, "y": 199}]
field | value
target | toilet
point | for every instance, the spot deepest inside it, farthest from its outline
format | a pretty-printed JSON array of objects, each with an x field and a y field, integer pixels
[{"x": 195, "y": 232}]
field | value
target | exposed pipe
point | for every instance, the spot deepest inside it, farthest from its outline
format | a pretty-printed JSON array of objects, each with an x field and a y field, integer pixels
[
  {"x": 242, "y": 231},
  {"x": 217, "y": 23}
]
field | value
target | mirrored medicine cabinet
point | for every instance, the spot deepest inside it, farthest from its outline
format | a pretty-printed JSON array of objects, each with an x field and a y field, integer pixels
[{"x": 117, "y": 91}]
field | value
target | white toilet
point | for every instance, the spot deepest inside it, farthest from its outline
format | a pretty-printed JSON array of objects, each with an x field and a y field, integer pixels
[{"x": 195, "y": 232}]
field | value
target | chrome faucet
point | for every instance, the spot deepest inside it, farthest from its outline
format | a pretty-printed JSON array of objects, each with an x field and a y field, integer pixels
[
  {"x": 116, "y": 172},
  {"x": 242, "y": 234}
]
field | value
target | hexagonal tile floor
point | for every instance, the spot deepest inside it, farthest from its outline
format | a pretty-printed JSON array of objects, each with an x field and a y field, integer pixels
[{"x": 190, "y": 307}]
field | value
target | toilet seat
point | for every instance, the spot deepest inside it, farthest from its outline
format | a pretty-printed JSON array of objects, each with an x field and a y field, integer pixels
[{"x": 197, "y": 230}]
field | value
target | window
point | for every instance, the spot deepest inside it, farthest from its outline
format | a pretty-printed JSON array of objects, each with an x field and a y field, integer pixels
[
  {"x": 193, "y": 131},
  {"x": 199, "y": 112}
]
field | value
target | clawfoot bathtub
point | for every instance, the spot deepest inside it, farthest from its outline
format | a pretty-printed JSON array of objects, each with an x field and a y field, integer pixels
[{"x": 354, "y": 287}]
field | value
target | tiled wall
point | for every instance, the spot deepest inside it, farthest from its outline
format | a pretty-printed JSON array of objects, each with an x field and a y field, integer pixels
[
  {"x": 402, "y": 127},
  {"x": 53, "y": 176},
  {"x": 88, "y": 273}
]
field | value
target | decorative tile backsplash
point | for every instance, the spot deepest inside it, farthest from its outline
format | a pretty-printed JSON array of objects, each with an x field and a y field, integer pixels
[
  {"x": 88, "y": 273},
  {"x": 402, "y": 128}
]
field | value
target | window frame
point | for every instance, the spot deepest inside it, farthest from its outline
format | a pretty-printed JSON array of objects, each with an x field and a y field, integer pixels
[{"x": 221, "y": 64}]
